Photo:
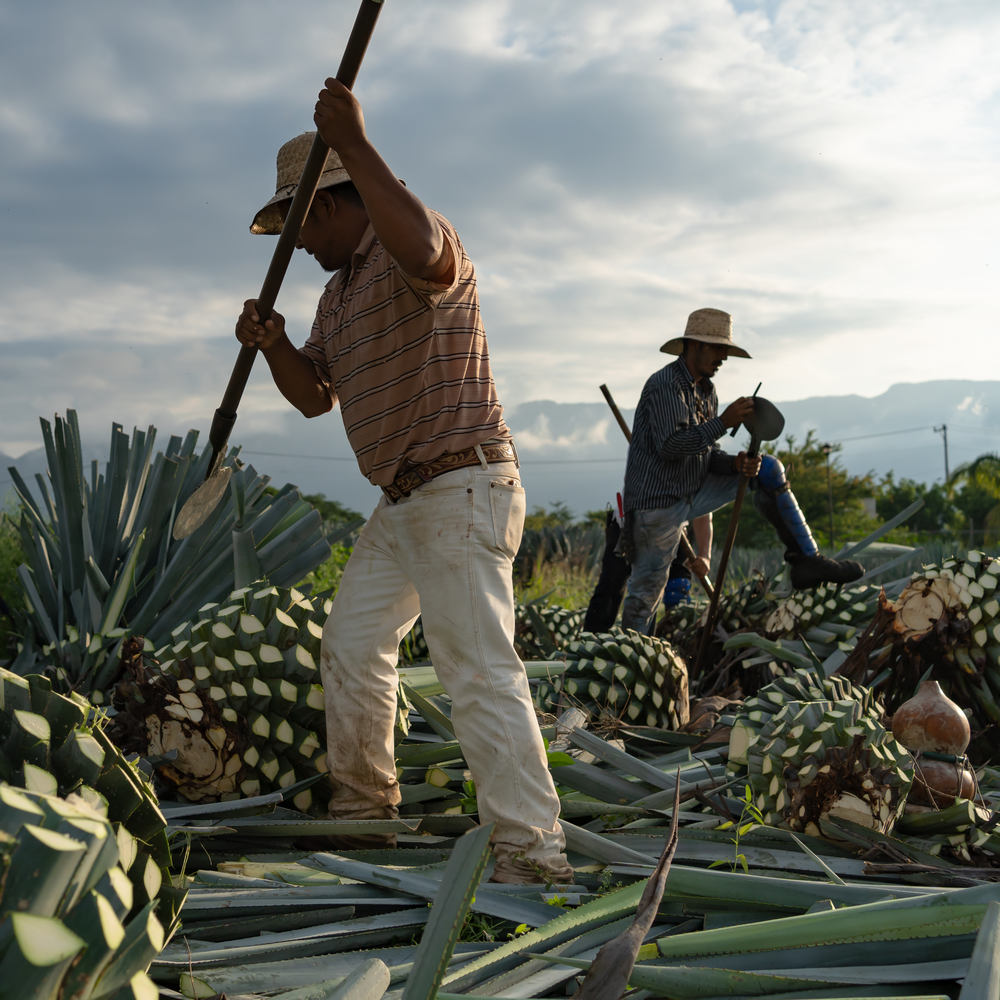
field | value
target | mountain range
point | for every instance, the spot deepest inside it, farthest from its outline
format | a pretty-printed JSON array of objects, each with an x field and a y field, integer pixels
[{"x": 574, "y": 453}]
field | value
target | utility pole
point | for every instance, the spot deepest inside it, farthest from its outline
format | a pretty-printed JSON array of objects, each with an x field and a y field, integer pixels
[{"x": 943, "y": 431}]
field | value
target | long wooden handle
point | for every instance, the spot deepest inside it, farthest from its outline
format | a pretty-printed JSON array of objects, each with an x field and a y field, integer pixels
[
  {"x": 350, "y": 63},
  {"x": 685, "y": 546},
  {"x": 720, "y": 574}
]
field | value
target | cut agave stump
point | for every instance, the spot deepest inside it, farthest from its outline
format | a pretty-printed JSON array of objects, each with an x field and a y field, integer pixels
[
  {"x": 757, "y": 713},
  {"x": 827, "y": 759},
  {"x": 621, "y": 676},
  {"x": 945, "y": 624},
  {"x": 235, "y": 699}
]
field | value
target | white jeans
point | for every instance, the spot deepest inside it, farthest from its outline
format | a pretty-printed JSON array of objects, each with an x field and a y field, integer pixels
[{"x": 445, "y": 553}]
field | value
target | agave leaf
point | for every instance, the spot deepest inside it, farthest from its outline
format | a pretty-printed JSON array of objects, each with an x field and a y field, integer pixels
[
  {"x": 115, "y": 604},
  {"x": 849, "y": 550},
  {"x": 271, "y": 977},
  {"x": 611, "y": 970},
  {"x": 341, "y": 935},
  {"x": 946, "y": 916},
  {"x": 246, "y": 565},
  {"x": 564, "y": 927},
  {"x": 493, "y": 902},
  {"x": 37, "y": 604},
  {"x": 39, "y": 952},
  {"x": 982, "y": 981},
  {"x": 89, "y": 573},
  {"x": 451, "y": 904},
  {"x": 368, "y": 981},
  {"x": 438, "y": 720},
  {"x": 143, "y": 940},
  {"x": 43, "y": 864}
]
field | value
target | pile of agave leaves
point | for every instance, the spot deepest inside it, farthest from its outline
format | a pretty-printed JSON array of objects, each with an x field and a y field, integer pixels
[{"x": 686, "y": 886}]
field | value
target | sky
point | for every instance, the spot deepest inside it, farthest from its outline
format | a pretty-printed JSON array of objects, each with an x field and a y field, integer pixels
[{"x": 824, "y": 171}]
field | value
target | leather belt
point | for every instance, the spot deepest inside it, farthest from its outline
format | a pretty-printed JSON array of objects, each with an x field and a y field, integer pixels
[{"x": 417, "y": 475}]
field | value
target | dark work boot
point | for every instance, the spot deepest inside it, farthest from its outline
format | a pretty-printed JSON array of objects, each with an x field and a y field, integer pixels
[
  {"x": 775, "y": 500},
  {"x": 810, "y": 571}
]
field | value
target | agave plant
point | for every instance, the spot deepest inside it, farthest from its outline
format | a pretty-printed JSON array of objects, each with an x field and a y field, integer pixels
[{"x": 101, "y": 561}]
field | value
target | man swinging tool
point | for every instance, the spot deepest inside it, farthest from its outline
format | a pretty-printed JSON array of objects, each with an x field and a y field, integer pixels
[
  {"x": 675, "y": 472},
  {"x": 399, "y": 342}
]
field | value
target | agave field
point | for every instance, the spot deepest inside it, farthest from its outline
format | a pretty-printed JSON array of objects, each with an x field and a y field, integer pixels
[{"x": 782, "y": 820}]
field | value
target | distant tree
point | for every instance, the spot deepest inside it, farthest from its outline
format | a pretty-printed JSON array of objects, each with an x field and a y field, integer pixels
[
  {"x": 558, "y": 515},
  {"x": 938, "y": 518},
  {"x": 975, "y": 488},
  {"x": 596, "y": 516}
]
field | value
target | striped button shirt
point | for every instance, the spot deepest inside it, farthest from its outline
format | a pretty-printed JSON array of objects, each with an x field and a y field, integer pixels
[
  {"x": 673, "y": 439},
  {"x": 407, "y": 359}
]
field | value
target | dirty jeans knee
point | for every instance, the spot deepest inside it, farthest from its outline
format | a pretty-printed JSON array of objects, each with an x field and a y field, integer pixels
[
  {"x": 656, "y": 534},
  {"x": 374, "y": 603}
]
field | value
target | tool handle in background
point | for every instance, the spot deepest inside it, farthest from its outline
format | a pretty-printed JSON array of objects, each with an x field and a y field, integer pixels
[{"x": 350, "y": 63}]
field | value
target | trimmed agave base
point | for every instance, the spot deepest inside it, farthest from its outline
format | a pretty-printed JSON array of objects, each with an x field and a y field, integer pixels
[{"x": 827, "y": 759}]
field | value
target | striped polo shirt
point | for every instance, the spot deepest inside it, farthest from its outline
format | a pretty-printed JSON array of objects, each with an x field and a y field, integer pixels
[
  {"x": 673, "y": 439},
  {"x": 407, "y": 359}
]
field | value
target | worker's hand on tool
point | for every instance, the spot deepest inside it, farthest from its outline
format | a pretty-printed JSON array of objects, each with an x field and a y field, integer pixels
[
  {"x": 250, "y": 332},
  {"x": 746, "y": 465},
  {"x": 338, "y": 117},
  {"x": 700, "y": 565},
  {"x": 738, "y": 411}
]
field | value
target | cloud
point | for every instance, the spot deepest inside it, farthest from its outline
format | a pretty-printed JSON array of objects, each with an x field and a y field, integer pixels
[{"x": 826, "y": 172}]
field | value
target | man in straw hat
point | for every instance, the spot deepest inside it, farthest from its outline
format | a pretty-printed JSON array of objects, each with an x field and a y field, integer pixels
[
  {"x": 675, "y": 471},
  {"x": 398, "y": 342}
]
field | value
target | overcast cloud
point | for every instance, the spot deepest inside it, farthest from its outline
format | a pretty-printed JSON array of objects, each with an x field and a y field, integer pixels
[{"x": 826, "y": 171}]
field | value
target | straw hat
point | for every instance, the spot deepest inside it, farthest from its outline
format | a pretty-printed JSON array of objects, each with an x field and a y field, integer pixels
[
  {"x": 710, "y": 326},
  {"x": 291, "y": 161}
]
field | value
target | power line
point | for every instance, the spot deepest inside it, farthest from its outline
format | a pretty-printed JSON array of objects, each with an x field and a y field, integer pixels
[{"x": 908, "y": 430}]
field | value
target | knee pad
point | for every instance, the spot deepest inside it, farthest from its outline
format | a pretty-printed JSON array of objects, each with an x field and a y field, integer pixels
[
  {"x": 776, "y": 501},
  {"x": 772, "y": 474}
]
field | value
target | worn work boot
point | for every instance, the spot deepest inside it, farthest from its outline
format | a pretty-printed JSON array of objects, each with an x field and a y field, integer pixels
[
  {"x": 520, "y": 871},
  {"x": 810, "y": 571}
]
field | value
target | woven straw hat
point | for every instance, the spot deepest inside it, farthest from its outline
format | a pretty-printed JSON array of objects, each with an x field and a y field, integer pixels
[
  {"x": 710, "y": 326},
  {"x": 291, "y": 160}
]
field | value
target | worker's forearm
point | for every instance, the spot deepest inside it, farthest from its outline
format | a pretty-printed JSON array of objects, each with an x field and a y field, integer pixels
[
  {"x": 701, "y": 528},
  {"x": 402, "y": 222},
  {"x": 296, "y": 378}
]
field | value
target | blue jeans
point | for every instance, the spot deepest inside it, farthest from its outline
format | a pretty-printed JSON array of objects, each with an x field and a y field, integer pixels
[{"x": 655, "y": 536}]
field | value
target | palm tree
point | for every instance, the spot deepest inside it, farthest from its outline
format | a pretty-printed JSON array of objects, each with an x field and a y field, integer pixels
[{"x": 979, "y": 496}]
